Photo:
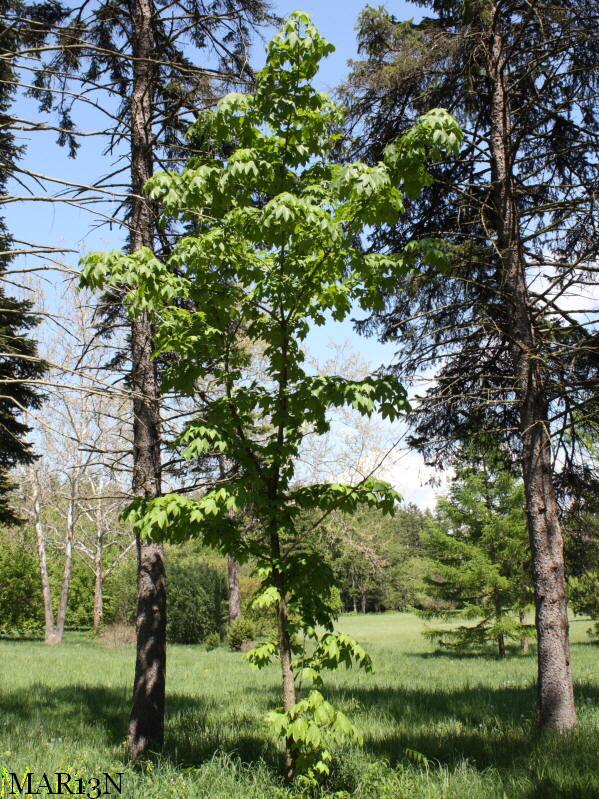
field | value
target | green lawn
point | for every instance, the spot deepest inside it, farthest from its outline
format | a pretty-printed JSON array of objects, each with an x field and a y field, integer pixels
[{"x": 468, "y": 719}]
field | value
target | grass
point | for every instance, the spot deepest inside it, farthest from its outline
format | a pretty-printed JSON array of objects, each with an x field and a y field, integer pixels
[{"x": 435, "y": 725}]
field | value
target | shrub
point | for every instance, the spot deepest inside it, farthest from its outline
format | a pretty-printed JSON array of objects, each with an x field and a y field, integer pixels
[
  {"x": 21, "y": 605},
  {"x": 196, "y": 593},
  {"x": 240, "y": 631},
  {"x": 188, "y": 620},
  {"x": 120, "y": 594},
  {"x": 212, "y": 641},
  {"x": 197, "y": 597}
]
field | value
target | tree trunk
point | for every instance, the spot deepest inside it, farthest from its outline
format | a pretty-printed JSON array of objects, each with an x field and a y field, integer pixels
[
  {"x": 498, "y": 615},
  {"x": 49, "y": 628},
  {"x": 556, "y": 708},
  {"x": 68, "y": 565},
  {"x": 234, "y": 591},
  {"x": 146, "y": 726},
  {"x": 99, "y": 584},
  {"x": 285, "y": 655},
  {"x": 524, "y": 637},
  {"x": 363, "y": 600},
  {"x": 501, "y": 645}
]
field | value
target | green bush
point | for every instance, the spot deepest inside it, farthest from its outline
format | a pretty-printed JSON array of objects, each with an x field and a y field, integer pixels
[
  {"x": 81, "y": 594},
  {"x": 212, "y": 641},
  {"x": 21, "y": 604},
  {"x": 240, "y": 631},
  {"x": 120, "y": 594},
  {"x": 196, "y": 595},
  {"x": 196, "y": 599}
]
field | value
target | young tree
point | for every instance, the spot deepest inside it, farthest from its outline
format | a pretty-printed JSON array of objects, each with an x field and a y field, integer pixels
[
  {"x": 274, "y": 248},
  {"x": 509, "y": 328},
  {"x": 480, "y": 560}
]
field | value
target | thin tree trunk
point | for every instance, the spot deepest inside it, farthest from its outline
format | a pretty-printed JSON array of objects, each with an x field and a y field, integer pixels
[
  {"x": 146, "y": 726},
  {"x": 99, "y": 583},
  {"x": 285, "y": 655},
  {"x": 68, "y": 565},
  {"x": 49, "y": 628},
  {"x": 556, "y": 708},
  {"x": 524, "y": 638},
  {"x": 501, "y": 645},
  {"x": 363, "y": 600},
  {"x": 234, "y": 591},
  {"x": 500, "y": 637}
]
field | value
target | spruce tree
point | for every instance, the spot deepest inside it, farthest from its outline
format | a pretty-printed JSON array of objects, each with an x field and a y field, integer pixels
[
  {"x": 512, "y": 357},
  {"x": 478, "y": 546}
]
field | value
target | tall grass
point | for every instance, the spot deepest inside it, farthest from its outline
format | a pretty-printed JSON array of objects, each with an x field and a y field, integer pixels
[{"x": 435, "y": 725}]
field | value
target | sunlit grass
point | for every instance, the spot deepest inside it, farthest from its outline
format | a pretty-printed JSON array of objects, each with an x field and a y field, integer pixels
[{"x": 434, "y": 725}]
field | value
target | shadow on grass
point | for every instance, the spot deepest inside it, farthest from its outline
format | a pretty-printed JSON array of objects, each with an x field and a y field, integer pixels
[
  {"x": 489, "y": 654},
  {"x": 195, "y": 729},
  {"x": 489, "y": 728}
]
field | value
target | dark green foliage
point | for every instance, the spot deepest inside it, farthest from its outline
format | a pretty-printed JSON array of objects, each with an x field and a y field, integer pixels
[
  {"x": 120, "y": 594},
  {"x": 189, "y": 619},
  {"x": 196, "y": 600},
  {"x": 197, "y": 596}
]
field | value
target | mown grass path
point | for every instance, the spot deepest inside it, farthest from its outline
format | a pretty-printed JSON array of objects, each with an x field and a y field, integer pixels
[{"x": 435, "y": 725}]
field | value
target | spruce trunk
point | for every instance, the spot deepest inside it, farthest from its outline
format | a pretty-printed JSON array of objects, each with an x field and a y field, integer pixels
[
  {"x": 146, "y": 726},
  {"x": 556, "y": 710}
]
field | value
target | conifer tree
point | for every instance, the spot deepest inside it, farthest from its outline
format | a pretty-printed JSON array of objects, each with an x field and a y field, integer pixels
[
  {"x": 480, "y": 559},
  {"x": 508, "y": 329}
]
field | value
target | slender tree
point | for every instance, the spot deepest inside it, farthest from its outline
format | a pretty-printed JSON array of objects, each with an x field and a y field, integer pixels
[
  {"x": 274, "y": 249},
  {"x": 515, "y": 353}
]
